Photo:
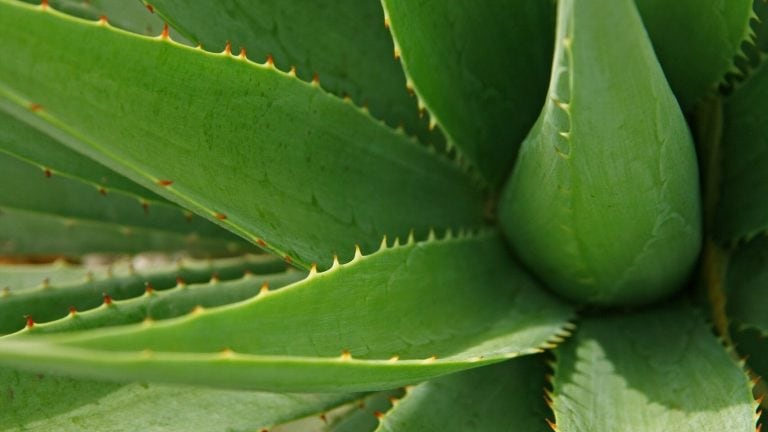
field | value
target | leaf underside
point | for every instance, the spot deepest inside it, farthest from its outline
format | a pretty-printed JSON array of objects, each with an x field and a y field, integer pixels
[
  {"x": 650, "y": 371},
  {"x": 380, "y": 321},
  {"x": 504, "y": 396},
  {"x": 272, "y": 176}
]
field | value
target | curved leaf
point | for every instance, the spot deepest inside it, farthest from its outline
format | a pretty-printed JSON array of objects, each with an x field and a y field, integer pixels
[
  {"x": 43, "y": 403},
  {"x": 25, "y": 142},
  {"x": 377, "y": 322},
  {"x": 19, "y": 276},
  {"x": 696, "y": 41},
  {"x": 746, "y": 285},
  {"x": 650, "y": 371},
  {"x": 479, "y": 68},
  {"x": 52, "y": 301},
  {"x": 344, "y": 42},
  {"x": 504, "y": 396},
  {"x": 169, "y": 303},
  {"x": 268, "y": 163},
  {"x": 28, "y": 189},
  {"x": 742, "y": 211}
]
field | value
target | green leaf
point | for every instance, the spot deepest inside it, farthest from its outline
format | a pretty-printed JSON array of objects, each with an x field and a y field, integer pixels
[
  {"x": 505, "y": 396},
  {"x": 403, "y": 314},
  {"x": 179, "y": 300},
  {"x": 650, "y": 371},
  {"x": 29, "y": 189},
  {"x": 742, "y": 211},
  {"x": 52, "y": 301},
  {"x": 344, "y": 42},
  {"x": 479, "y": 68},
  {"x": 32, "y": 145},
  {"x": 752, "y": 344},
  {"x": 43, "y": 403},
  {"x": 604, "y": 202},
  {"x": 244, "y": 144},
  {"x": 696, "y": 41},
  {"x": 18, "y": 276},
  {"x": 746, "y": 285}
]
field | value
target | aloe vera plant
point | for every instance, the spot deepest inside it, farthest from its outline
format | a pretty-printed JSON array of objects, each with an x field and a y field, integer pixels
[{"x": 399, "y": 216}]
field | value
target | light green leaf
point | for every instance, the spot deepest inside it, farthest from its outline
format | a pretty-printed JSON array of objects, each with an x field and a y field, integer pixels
[
  {"x": 245, "y": 145},
  {"x": 742, "y": 211},
  {"x": 752, "y": 344},
  {"x": 32, "y": 145},
  {"x": 179, "y": 300},
  {"x": 604, "y": 199},
  {"x": 404, "y": 314},
  {"x": 480, "y": 68},
  {"x": 18, "y": 276},
  {"x": 746, "y": 285},
  {"x": 44, "y": 403},
  {"x": 52, "y": 301},
  {"x": 29, "y": 189},
  {"x": 508, "y": 396},
  {"x": 649, "y": 371},
  {"x": 344, "y": 42},
  {"x": 696, "y": 41}
]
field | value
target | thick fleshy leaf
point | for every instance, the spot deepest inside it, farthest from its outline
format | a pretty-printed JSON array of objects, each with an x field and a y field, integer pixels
[
  {"x": 18, "y": 276},
  {"x": 742, "y": 209},
  {"x": 746, "y": 285},
  {"x": 657, "y": 370},
  {"x": 52, "y": 301},
  {"x": 44, "y": 403},
  {"x": 403, "y": 314},
  {"x": 344, "y": 42},
  {"x": 34, "y": 146},
  {"x": 253, "y": 148},
  {"x": 508, "y": 396},
  {"x": 170, "y": 303},
  {"x": 604, "y": 199},
  {"x": 31, "y": 190},
  {"x": 696, "y": 41},
  {"x": 480, "y": 68}
]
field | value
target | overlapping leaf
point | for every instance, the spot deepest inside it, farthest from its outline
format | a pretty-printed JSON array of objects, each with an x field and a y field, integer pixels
[
  {"x": 505, "y": 396},
  {"x": 377, "y": 322},
  {"x": 650, "y": 371},
  {"x": 245, "y": 145},
  {"x": 480, "y": 68},
  {"x": 343, "y": 42},
  {"x": 742, "y": 210}
]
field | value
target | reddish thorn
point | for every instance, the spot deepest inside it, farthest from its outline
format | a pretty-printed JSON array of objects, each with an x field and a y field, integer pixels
[
  {"x": 103, "y": 19},
  {"x": 261, "y": 243},
  {"x": 180, "y": 281},
  {"x": 48, "y": 173},
  {"x": 551, "y": 425},
  {"x": 72, "y": 310},
  {"x": 270, "y": 60},
  {"x": 288, "y": 259},
  {"x": 35, "y": 107},
  {"x": 242, "y": 53},
  {"x": 165, "y": 33},
  {"x": 220, "y": 216},
  {"x": 145, "y": 206},
  {"x": 44, "y": 4},
  {"x": 215, "y": 277},
  {"x": 228, "y": 48},
  {"x": 30, "y": 321},
  {"x": 323, "y": 418},
  {"x": 103, "y": 191},
  {"x": 150, "y": 8},
  {"x": 165, "y": 182},
  {"x": 315, "y": 79},
  {"x": 148, "y": 288},
  {"x": 107, "y": 299},
  {"x": 378, "y": 414}
]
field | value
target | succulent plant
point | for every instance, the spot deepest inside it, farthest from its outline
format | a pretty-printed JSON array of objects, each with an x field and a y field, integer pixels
[{"x": 538, "y": 215}]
